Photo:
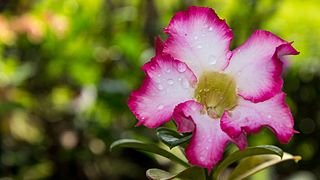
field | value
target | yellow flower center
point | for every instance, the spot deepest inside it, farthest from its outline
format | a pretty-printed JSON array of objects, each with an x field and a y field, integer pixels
[{"x": 217, "y": 92}]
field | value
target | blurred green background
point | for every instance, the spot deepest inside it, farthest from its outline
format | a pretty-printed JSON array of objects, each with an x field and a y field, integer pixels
[{"x": 67, "y": 68}]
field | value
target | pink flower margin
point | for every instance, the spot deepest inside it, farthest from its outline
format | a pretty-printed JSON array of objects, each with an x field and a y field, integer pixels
[{"x": 199, "y": 42}]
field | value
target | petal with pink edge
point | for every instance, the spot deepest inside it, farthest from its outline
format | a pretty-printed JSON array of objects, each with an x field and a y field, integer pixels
[
  {"x": 249, "y": 117},
  {"x": 158, "y": 45},
  {"x": 256, "y": 66},
  {"x": 199, "y": 38},
  {"x": 168, "y": 82},
  {"x": 208, "y": 140}
]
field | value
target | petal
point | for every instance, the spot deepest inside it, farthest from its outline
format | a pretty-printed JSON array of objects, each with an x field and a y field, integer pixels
[
  {"x": 168, "y": 82},
  {"x": 158, "y": 45},
  {"x": 208, "y": 141},
  {"x": 256, "y": 66},
  {"x": 200, "y": 39},
  {"x": 249, "y": 117}
]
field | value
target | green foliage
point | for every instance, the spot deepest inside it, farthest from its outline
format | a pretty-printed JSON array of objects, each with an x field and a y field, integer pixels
[
  {"x": 153, "y": 148},
  {"x": 187, "y": 174},
  {"x": 172, "y": 138},
  {"x": 251, "y": 165},
  {"x": 248, "y": 152}
]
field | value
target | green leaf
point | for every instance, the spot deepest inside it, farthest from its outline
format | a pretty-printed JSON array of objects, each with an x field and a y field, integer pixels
[
  {"x": 250, "y": 151},
  {"x": 153, "y": 148},
  {"x": 172, "y": 138},
  {"x": 254, "y": 164},
  {"x": 187, "y": 174},
  {"x": 8, "y": 106}
]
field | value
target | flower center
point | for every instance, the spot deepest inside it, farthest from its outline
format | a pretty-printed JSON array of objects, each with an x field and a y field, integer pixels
[{"x": 217, "y": 92}]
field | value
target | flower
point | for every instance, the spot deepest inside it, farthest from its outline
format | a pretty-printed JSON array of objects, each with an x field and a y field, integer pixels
[{"x": 218, "y": 94}]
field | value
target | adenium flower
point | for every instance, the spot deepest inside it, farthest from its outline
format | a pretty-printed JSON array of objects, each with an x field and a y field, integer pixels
[{"x": 218, "y": 94}]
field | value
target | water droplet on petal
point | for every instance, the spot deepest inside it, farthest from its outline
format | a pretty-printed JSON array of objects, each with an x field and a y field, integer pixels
[
  {"x": 196, "y": 37},
  {"x": 179, "y": 79},
  {"x": 269, "y": 116},
  {"x": 142, "y": 118},
  {"x": 170, "y": 82},
  {"x": 168, "y": 70},
  {"x": 199, "y": 46},
  {"x": 152, "y": 67},
  {"x": 159, "y": 75},
  {"x": 212, "y": 59},
  {"x": 210, "y": 28},
  {"x": 160, "y": 107},
  {"x": 185, "y": 83},
  {"x": 182, "y": 67},
  {"x": 202, "y": 158},
  {"x": 160, "y": 87}
]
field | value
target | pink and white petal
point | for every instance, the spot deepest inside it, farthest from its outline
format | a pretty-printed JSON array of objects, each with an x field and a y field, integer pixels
[
  {"x": 208, "y": 142},
  {"x": 168, "y": 82},
  {"x": 158, "y": 45},
  {"x": 256, "y": 66},
  {"x": 200, "y": 39},
  {"x": 249, "y": 117}
]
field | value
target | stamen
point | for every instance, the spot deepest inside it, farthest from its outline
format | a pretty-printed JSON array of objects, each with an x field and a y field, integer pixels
[{"x": 217, "y": 92}]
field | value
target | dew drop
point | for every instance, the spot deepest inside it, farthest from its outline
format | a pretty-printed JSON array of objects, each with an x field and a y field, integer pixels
[
  {"x": 210, "y": 28},
  {"x": 199, "y": 46},
  {"x": 152, "y": 67},
  {"x": 269, "y": 116},
  {"x": 159, "y": 75},
  {"x": 196, "y": 37},
  {"x": 157, "y": 80},
  {"x": 182, "y": 67},
  {"x": 168, "y": 70},
  {"x": 179, "y": 79},
  {"x": 160, "y": 107},
  {"x": 202, "y": 158},
  {"x": 142, "y": 118},
  {"x": 160, "y": 87},
  {"x": 212, "y": 59},
  {"x": 170, "y": 82},
  {"x": 185, "y": 83}
]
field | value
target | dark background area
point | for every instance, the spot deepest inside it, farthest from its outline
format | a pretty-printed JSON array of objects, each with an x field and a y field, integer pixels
[{"x": 67, "y": 68}]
